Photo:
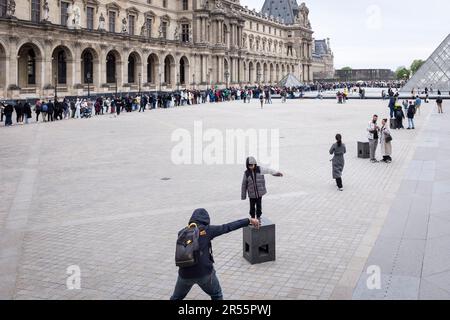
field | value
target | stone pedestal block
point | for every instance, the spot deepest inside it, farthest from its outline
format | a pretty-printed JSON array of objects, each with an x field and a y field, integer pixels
[
  {"x": 259, "y": 244},
  {"x": 363, "y": 150}
]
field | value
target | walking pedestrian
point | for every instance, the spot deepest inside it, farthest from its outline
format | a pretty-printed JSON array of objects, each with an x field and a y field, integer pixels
[
  {"x": 338, "y": 150},
  {"x": 439, "y": 102}
]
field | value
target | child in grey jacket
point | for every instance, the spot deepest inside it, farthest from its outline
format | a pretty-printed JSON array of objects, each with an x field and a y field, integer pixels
[{"x": 254, "y": 184}]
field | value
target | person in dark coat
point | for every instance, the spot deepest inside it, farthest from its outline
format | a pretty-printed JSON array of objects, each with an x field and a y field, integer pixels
[
  {"x": 410, "y": 114},
  {"x": 19, "y": 111},
  {"x": 203, "y": 273},
  {"x": 9, "y": 109},
  {"x": 399, "y": 116},
  {"x": 338, "y": 150},
  {"x": 27, "y": 111},
  {"x": 254, "y": 184},
  {"x": 50, "y": 110}
]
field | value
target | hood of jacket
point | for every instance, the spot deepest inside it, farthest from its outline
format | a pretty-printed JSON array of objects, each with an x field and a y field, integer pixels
[{"x": 200, "y": 216}]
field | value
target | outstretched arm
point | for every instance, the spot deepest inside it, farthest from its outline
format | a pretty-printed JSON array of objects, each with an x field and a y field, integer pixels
[
  {"x": 216, "y": 231},
  {"x": 270, "y": 171}
]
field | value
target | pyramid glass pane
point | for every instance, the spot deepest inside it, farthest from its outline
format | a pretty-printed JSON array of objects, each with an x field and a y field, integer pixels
[{"x": 435, "y": 72}]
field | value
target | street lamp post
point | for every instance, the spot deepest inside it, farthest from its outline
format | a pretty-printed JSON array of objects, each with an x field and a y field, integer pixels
[
  {"x": 56, "y": 86},
  {"x": 259, "y": 78},
  {"x": 193, "y": 80},
  {"x": 227, "y": 75},
  {"x": 88, "y": 78},
  {"x": 178, "y": 81},
  {"x": 140, "y": 75}
]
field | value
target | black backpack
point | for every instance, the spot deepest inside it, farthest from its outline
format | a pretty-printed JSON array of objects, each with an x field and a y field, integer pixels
[{"x": 188, "y": 249}]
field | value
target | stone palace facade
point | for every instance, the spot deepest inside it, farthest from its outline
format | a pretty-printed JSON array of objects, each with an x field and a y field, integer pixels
[{"x": 104, "y": 46}]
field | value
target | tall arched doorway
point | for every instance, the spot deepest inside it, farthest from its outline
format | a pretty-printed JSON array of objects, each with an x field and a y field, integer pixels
[
  {"x": 29, "y": 66},
  {"x": 152, "y": 67},
  {"x": 62, "y": 65},
  {"x": 169, "y": 68},
  {"x": 113, "y": 72},
  {"x": 89, "y": 66},
  {"x": 184, "y": 71}
]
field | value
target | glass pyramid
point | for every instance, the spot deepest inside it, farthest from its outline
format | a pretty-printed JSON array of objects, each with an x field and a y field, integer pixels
[{"x": 435, "y": 72}]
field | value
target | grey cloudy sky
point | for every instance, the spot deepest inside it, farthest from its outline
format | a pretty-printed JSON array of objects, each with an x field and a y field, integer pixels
[{"x": 377, "y": 33}]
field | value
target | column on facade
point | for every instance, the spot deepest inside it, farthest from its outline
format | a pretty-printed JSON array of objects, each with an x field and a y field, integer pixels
[
  {"x": 123, "y": 69},
  {"x": 76, "y": 66},
  {"x": 11, "y": 65},
  {"x": 47, "y": 74},
  {"x": 101, "y": 67}
]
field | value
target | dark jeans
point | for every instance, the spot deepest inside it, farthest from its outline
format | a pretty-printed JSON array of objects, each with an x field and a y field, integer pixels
[
  {"x": 255, "y": 203},
  {"x": 339, "y": 182},
  {"x": 8, "y": 120},
  {"x": 392, "y": 113},
  {"x": 209, "y": 284}
]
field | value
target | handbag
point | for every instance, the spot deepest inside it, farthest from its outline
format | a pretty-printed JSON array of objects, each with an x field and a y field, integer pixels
[{"x": 388, "y": 139}]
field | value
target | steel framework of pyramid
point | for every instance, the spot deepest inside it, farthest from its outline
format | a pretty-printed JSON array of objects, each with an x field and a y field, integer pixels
[
  {"x": 435, "y": 72},
  {"x": 290, "y": 81}
]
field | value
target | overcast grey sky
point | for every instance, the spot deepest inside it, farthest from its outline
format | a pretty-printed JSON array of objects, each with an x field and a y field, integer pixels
[{"x": 377, "y": 33}]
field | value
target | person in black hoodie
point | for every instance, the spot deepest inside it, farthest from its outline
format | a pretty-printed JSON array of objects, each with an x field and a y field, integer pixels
[{"x": 203, "y": 273}]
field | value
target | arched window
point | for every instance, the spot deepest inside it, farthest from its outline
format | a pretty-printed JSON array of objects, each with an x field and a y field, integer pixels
[
  {"x": 110, "y": 68},
  {"x": 88, "y": 72},
  {"x": 182, "y": 73},
  {"x": 131, "y": 68},
  {"x": 31, "y": 67},
  {"x": 62, "y": 67}
]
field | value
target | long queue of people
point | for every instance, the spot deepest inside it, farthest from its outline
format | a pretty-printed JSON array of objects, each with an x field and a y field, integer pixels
[{"x": 49, "y": 110}]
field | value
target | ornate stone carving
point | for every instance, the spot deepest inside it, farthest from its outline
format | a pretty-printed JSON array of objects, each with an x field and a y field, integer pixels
[{"x": 101, "y": 22}]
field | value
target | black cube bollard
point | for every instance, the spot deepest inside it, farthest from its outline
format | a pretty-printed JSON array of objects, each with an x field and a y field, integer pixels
[
  {"x": 259, "y": 244},
  {"x": 363, "y": 150},
  {"x": 393, "y": 124}
]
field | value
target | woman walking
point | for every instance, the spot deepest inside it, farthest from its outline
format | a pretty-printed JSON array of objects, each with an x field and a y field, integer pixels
[
  {"x": 439, "y": 104},
  {"x": 338, "y": 150},
  {"x": 385, "y": 142}
]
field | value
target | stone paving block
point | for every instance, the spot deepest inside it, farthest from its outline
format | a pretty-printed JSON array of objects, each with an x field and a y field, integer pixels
[{"x": 432, "y": 291}]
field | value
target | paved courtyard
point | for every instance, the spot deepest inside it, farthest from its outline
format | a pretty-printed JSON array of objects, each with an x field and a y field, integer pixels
[{"x": 91, "y": 193}]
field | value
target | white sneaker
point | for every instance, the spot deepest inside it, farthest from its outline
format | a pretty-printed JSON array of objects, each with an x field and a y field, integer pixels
[{"x": 341, "y": 189}]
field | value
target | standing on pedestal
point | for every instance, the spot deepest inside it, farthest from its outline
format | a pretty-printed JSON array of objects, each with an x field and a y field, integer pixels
[{"x": 254, "y": 184}]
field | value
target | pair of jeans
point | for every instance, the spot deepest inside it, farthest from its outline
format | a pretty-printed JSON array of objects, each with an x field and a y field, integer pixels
[
  {"x": 257, "y": 202},
  {"x": 209, "y": 284},
  {"x": 410, "y": 123},
  {"x": 339, "y": 182},
  {"x": 8, "y": 120}
]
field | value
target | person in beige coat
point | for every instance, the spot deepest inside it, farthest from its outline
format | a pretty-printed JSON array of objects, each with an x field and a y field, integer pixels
[{"x": 385, "y": 141}]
